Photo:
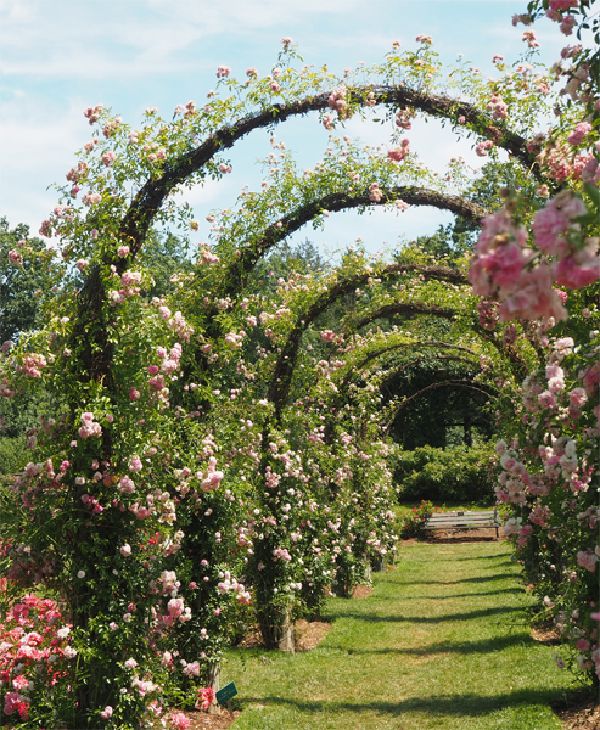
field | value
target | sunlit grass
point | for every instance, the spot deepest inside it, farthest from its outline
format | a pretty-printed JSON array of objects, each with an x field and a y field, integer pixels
[{"x": 443, "y": 642}]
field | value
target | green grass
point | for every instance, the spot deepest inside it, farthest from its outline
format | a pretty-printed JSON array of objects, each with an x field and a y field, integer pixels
[{"x": 443, "y": 642}]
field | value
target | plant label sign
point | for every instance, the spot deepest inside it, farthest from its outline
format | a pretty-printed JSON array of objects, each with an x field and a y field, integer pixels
[{"x": 225, "y": 694}]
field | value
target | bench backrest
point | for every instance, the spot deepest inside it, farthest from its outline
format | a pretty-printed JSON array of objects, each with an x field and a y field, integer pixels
[{"x": 449, "y": 519}]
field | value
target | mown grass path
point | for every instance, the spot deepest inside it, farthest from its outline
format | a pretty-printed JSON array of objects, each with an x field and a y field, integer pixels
[{"x": 443, "y": 642}]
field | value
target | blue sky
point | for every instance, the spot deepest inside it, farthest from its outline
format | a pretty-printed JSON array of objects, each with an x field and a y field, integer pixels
[{"x": 59, "y": 56}]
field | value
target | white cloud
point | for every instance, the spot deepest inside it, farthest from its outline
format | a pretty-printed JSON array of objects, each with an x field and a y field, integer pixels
[
  {"x": 38, "y": 149},
  {"x": 78, "y": 40}
]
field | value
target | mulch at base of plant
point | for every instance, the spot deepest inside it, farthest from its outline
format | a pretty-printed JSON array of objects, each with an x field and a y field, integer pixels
[
  {"x": 309, "y": 634},
  {"x": 219, "y": 719},
  {"x": 545, "y": 635},
  {"x": 581, "y": 718},
  {"x": 362, "y": 591}
]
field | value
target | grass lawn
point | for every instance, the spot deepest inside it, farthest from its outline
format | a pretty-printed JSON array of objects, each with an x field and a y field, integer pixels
[
  {"x": 443, "y": 642},
  {"x": 405, "y": 508}
]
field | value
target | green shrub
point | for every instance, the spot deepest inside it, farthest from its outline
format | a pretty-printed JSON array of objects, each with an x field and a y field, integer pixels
[
  {"x": 12, "y": 456},
  {"x": 458, "y": 474}
]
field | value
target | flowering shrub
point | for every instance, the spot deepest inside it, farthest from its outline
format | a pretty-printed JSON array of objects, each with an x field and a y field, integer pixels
[
  {"x": 36, "y": 655},
  {"x": 554, "y": 493},
  {"x": 414, "y": 524},
  {"x": 549, "y": 475}
]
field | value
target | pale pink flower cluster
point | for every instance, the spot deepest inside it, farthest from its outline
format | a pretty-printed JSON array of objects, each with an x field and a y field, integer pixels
[
  {"x": 234, "y": 339},
  {"x": 587, "y": 559},
  {"x": 207, "y": 256},
  {"x": 212, "y": 477},
  {"x": 553, "y": 223},
  {"x": 177, "y": 611},
  {"x": 577, "y": 136},
  {"x": 169, "y": 365},
  {"x": 92, "y": 198},
  {"x": 111, "y": 127},
  {"x": 126, "y": 485},
  {"x": 540, "y": 515},
  {"x": 32, "y": 365},
  {"x": 230, "y": 585},
  {"x": 108, "y": 158},
  {"x": 168, "y": 582},
  {"x": 482, "y": 149},
  {"x": 498, "y": 107},
  {"x": 531, "y": 38},
  {"x": 282, "y": 554},
  {"x": 375, "y": 193},
  {"x": 272, "y": 478},
  {"x": 501, "y": 264},
  {"x": 89, "y": 428},
  {"x": 338, "y": 101},
  {"x": 93, "y": 113},
  {"x": 512, "y": 480},
  {"x": 500, "y": 255},
  {"x": 178, "y": 324},
  {"x": 15, "y": 257},
  {"x": 403, "y": 118}
]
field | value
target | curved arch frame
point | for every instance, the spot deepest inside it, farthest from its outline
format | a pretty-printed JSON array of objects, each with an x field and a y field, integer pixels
[{"x": 136, "y": 222}]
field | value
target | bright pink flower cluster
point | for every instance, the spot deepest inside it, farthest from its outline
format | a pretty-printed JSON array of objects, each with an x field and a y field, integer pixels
[
  {"x": 206, "y": 697},
  {"x": 399, "y": 153},
  {"x": 179, "y": 721},
  {"x": 34, "y": 648},
  {"x": 553, "y": 223}
]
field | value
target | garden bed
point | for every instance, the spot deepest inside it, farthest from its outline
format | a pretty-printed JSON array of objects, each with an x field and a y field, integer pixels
[
  {"x": 485, "y": 533},
  {"x": 545, "y": 635},
  {"x": 585, "y": 716},
  {"x": 309, "y": 634},
  {"x": 218, "y": 719},
  {"x": 362, "y": 590}
]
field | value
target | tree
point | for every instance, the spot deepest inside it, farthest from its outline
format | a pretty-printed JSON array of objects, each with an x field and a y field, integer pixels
[{"x": 28, "y": 279}]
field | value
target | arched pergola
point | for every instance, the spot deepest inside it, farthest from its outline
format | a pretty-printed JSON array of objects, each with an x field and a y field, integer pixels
[{"x": 284, "y": 367}]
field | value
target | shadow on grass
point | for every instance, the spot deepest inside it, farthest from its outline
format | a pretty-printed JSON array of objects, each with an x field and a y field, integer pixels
[
  {"x": 482, "y": 579},
  {"x": 399, "y": 599},
  {"x": 483, "y": 557},
  {"x": 462, "y": 616},
  {"x": 482, "y": 646},
  {"x": 458, "y": 539},
  {"x": 437, "y": 705}
]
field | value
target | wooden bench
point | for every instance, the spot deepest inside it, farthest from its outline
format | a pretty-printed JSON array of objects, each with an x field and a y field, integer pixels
[{"x": 463, "y": 521}]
